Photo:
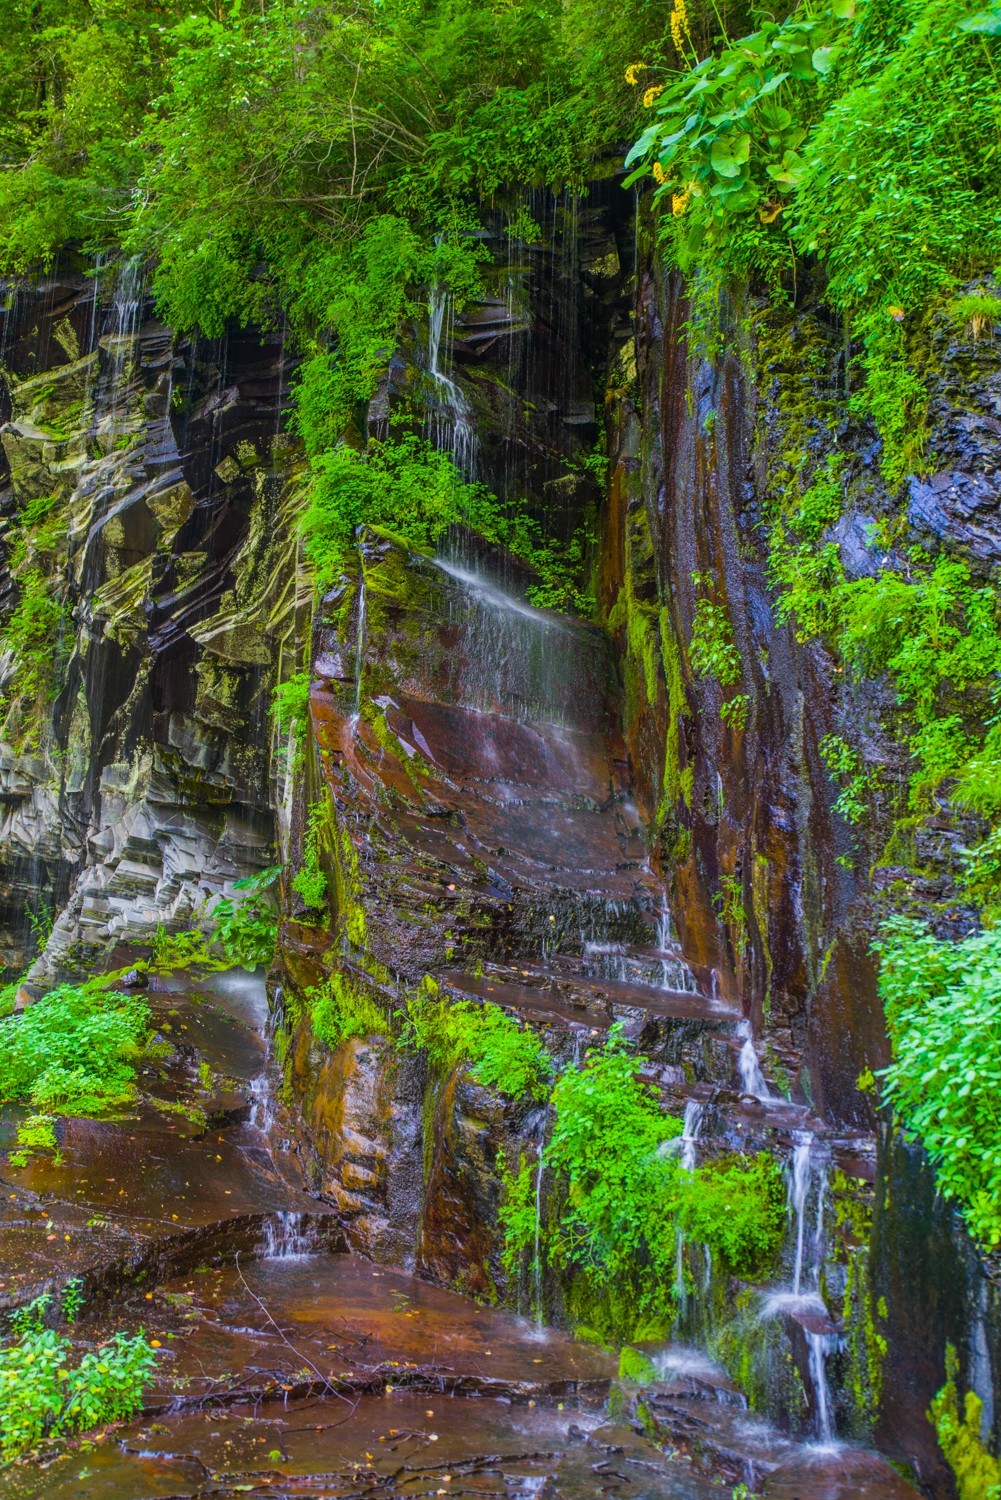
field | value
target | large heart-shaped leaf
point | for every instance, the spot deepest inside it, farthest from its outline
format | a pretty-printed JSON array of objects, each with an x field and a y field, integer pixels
[
  {"x": 729, "y": 154},
  {"x": 986, "y": 23}
]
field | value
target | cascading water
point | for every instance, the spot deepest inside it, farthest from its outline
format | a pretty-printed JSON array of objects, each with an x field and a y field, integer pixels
[
  {"x": 127, "y": 309},
  {"x": 539, "y": 1309},
  {"x": 799, "y": 1190},
  {"x": 818, "y": 1347},
  {"x": 752, "y": 1080},
  {"x": 691, "y": 1125},
  {"x": 449, "y": 422},
  {"x": 359, "y": 644},
  {"x": 283, "y": 1237}
]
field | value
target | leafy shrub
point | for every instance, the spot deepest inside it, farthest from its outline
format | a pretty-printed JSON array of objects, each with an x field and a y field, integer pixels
[
  {"x": 942, "y": 1003},
  {"x": 34, "y": 633},
  {"x": 74, "y": 1051},
  {"x": 43, "y": 1396},
  {"x": 342, "y": 1010},
  {"x": 246, "y": 927},
  {"x": 501, "y": 1054},
  {"x": 627, "y": 1197},
  {"x": 847, "y": 768},
  {"x": 290, "y": 707},
  {"x": 713, "y": 651}
]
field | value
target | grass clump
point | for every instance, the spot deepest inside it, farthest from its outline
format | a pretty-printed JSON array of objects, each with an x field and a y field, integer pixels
[
  {"x": 50, "y": 1389},
  {"x": 74, "y": 1051},
  {"x": 501, "y": 1054}
]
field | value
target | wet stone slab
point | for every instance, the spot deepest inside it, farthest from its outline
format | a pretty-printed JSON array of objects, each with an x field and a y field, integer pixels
[
  {"x": 396, "y": 1445},
  {"x": 186, "y": 1160},
  {"x": 310, "y": 1320}
]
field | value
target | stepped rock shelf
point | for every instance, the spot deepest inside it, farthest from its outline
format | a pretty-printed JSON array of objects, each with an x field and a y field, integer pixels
[{"x": 503, "y": 805}]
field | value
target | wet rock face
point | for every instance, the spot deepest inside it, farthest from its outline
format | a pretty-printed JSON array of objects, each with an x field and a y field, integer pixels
[{"x": 141, "y": 780}]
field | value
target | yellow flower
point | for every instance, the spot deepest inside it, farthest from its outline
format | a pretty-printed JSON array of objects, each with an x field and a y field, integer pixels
[
  {"x": 659, "y": 175},
  {"x": 633, "y": 71},
  {"x": 680, "y": 201},
  {"x": 769, "y": 212},
  {"x": 679, "y": 25},
  {"x": 652, "y": 94}
]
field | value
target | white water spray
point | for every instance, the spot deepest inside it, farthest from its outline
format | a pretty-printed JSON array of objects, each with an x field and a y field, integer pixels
[{"x": 752, "y": 1080}]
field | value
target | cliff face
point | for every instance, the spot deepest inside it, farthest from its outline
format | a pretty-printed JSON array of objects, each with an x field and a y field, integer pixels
[
  {"x": 768, "y": 885},
  {"x": 149, "y": 500},
  {"x": 528, "y": 809}
]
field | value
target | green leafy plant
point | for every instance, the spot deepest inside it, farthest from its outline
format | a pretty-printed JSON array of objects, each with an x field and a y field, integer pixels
[
  {"x": 501, "y": 1054},
  {"x": 246, "y": 925},
  {"x": 45, "y": 1396},
  {"x": 74, "y": 1051},
  {"x": 846, "y": 767},
  {"x": 290, "y": 708},
  {"x": 310, "y": 882},
  {"x": 35, "y": 1134},
  {"x": 627, "y": 1196},
  {"x": 941, "y": 1001},
  {"x": 727, "y": 137}
]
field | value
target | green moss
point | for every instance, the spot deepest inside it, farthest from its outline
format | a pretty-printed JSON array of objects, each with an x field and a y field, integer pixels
[
  {"x": 341, "y": 1009},
  {"x": 755, "y": 1353},
  {"x": 636, "y": 1366},
  {"x": 977, "y": 1472}
]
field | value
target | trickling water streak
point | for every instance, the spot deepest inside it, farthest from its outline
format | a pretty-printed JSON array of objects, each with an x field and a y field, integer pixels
[
  {"x": 127, "y": 308},
  {"x": 752, "y": 1080},
  {"x": 284, "y": 1238},
  {"x": 818, "y": 1346},
  {"x": 359, "y": 643},
  {"x": 450, "y": 424},
  {"x": 539, "y": 1308},
  {"x": 692, "y": 1124},
  {"x": 799, "y": 1188}
]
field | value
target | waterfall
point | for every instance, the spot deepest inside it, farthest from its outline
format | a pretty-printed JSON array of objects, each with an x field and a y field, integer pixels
[
  {"x": 359, "y": 642},
  {"x": 692, "y": 1124},
  {"x": 818, "y": 1347},
  {"x": 450, "y": 423},
  {"x": 127, "y": 305},
  {"x": 799, "y": 1190},
  {"x": 752, "y": 1080},
  {"x": 262, "y": 1103},
  {"x": 284, "y": 1238},
  {"x": 539, "y": 1308}
]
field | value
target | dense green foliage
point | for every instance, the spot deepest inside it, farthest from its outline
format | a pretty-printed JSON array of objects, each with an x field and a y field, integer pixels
[
  {"x": 861, "y": 133},
  {"x": 49, "y": 1389},
  {"x": 628, "y": 1197},
  {"x": 246, "y": 923},
  {"x": 942, "y": 1003},
  {"x": 74, "y": 1051},
  {"x": 501, "y": 1054}
]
